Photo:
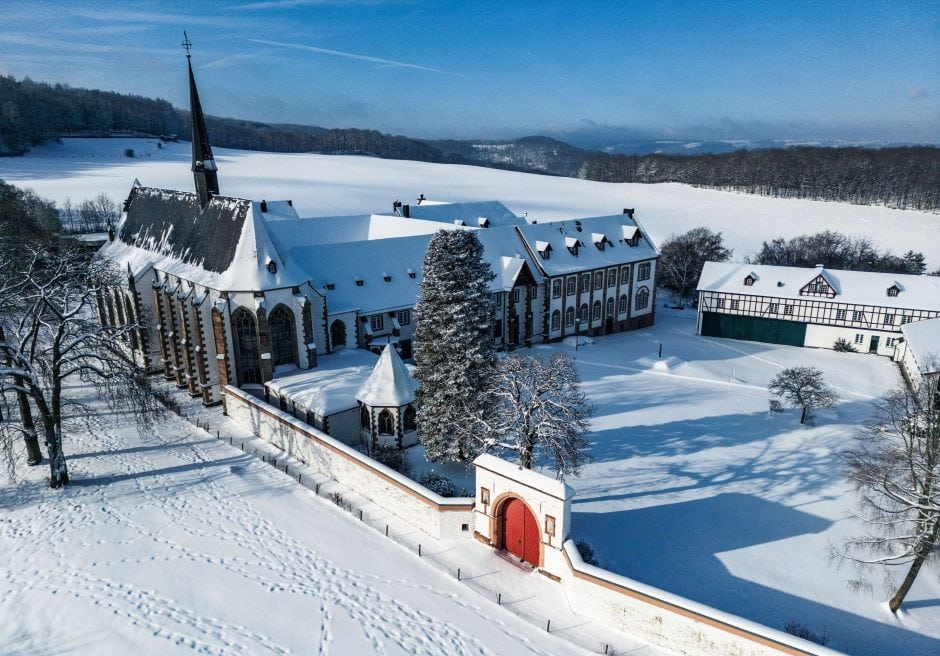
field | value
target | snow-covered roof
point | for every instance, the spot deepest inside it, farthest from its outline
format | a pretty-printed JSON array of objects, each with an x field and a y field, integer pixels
[
  {"x": 858, "y": 287},
  {"x": 585, "y": 232},
  {"x": 506, "y": 255},
  {"x": 533, "y": 479},
  {"x": 468, "y": 213},
  {"x": 225, "y": 246},
  {"x": 315, "y": 231},
  {"x": 389, "y": 385},
  {"x": 332, "y": 386},
  {"x": 335, "y": 268},
  {"x": 923, "y": 338}
]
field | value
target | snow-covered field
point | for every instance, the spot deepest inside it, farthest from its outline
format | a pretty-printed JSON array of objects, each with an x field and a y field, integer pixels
[
  {"x": 698, "y": 489},
  {"x": 176, "y": 542},
  {"x": 695, "y": 487},
  {"x": 332, "y": 185}
]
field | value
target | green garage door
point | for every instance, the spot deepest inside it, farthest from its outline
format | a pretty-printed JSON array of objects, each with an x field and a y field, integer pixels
[{"x": 753, "y": 329}]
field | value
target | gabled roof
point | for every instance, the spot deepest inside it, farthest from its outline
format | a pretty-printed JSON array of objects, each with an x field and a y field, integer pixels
[
  {"x": 563, "y": 235},
  {"x": 226, "y": 246},
  {"x": 389, "y": 385},
  {"x": 858, "y": 287}
]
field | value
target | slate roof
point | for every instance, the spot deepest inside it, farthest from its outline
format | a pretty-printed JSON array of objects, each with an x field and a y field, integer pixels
[
  {"x": 559, "y": 234},
  {"x": 172, "y": 223},
  {"x": 855, "y": 287}
]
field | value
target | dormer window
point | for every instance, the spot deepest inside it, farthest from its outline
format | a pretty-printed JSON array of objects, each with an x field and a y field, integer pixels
[
  {"x": 631, "y": 235},
  {"x": 272, "y": 267},
  {"x": 600, "y": 240},
  {"x": 359, "y": 282},
  {"x": 330, "y": 286},
  {"x": 749, "y": 281},
  {"x": 893, "y": 290},
  {"x": 573, "y": 244},
  {"x": 386, "y": 277},
  {"x": 544, "y": 249},
  {"x": 459, "y": 223},
  {"x": 483, "y": 222},
  {"x": 411, "y": 274}
]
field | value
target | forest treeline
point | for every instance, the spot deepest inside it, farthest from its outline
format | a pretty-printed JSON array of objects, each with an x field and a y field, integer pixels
[
  {"x": 905, "y": 177},
  {"x": 32, "y": 113}
]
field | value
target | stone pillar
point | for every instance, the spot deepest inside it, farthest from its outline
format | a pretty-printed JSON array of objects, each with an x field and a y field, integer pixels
[
  {"x": 143, "y": 336},
  {"x": 264, "y": 345},
  {"x": 221, "y": 348},
  {"x": 187, "y": 342},
  {"x": 202, "y": 364},
  {"x": 163, "y": 331},
  {"x": 173, "y": 337},
  {"x": 307, "y": 318}
]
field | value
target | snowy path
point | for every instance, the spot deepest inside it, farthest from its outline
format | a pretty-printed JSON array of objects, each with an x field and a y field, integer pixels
[{"x": 178, "y": 542}]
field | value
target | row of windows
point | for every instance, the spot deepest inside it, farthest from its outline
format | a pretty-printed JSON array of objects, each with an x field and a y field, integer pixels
[
  {"x": 641, "y": 301},
  {"x": 572, "y": 286},
  {"x": 386, "y": 420},
  {"x": 819, "y": 311},
  {"x": 377, "y": 321}
]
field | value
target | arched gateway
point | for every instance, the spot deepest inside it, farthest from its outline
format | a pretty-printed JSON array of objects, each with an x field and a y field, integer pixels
[{"x": 519, "y": 531}]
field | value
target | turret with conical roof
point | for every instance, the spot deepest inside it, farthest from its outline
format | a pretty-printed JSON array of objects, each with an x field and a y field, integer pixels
[
  {"x": 386, "y": 403},
  {"x": 205, "y": 171}
]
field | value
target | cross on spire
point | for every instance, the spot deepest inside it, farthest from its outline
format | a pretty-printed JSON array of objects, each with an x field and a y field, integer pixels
[{"x": 187, "y": 44}]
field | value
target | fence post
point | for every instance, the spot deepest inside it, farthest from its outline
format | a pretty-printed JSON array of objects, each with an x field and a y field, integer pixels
[
  {"x": 548, "y": 626},
  {"x": 419, "y": 550},
  {"x": 499, "y": 598}
]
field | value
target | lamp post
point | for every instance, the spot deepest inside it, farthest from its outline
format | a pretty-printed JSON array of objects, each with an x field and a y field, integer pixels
[{"x": 577, "y": 332}]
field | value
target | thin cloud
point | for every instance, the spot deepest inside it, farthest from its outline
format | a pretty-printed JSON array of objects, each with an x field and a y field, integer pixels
[
  {"x": 918, "y": 93},
  {"x": 230, "y": 59},
  {"x": 158, "y": 18},
  {"x": 352, "y": 55},
  {"x": 287, "y": 4},
  {"x": 73, "y": 46}
]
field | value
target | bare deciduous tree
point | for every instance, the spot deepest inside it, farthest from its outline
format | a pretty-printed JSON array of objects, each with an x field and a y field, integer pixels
[
  {"x": 682, "y": 258},
  {"x": 895, "y": 468},
  {"x": 803, "y": 388},
  {"x": 49, "y": 333},
  {"x": 535, "y": 407}
]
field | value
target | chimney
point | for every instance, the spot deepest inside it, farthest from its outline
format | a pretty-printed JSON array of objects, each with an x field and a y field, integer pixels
[
  {"x": 290, "y": 203},
  {"x": 406, "y": 211},
  {"x": 264, "y": 206},
  {"x": 396, "y": 206},
  {"x": 420, "y": 198},
  {"x": 628, "y": 211}
]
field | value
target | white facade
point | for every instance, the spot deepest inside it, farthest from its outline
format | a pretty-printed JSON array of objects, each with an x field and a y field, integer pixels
[{"x": 813, "y": 306}]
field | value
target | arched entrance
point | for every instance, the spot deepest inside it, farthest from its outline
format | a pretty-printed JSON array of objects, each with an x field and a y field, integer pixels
[
  {"x": 338, "y": 333},
  {"x": 519, "y": 531}
]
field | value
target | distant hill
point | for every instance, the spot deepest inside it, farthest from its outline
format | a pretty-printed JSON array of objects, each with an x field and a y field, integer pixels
[{"x": 32, "y": 113}]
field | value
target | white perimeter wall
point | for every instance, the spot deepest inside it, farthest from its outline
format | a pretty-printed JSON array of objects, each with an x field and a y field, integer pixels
[
  {"x": 668, "y": 620},
  {"x": 435, "y": 515}
]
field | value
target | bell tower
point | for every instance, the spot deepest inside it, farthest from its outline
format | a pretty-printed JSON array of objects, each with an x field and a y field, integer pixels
[{"x": 205, "y": 171}]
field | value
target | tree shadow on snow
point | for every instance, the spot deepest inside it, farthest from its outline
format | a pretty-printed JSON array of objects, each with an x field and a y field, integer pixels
[{"x": 675, "y": 547}]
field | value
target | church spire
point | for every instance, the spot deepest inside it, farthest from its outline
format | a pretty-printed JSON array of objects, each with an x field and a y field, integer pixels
[{"x": 205, "y": 172}]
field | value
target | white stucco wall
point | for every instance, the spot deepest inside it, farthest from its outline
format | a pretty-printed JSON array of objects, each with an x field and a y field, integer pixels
[
  {"x": 437, "y": 516},
  {"x": 820, "y": 336},
  {"x": 344, "y": 426},
  {"x": 669, "y": 620}
]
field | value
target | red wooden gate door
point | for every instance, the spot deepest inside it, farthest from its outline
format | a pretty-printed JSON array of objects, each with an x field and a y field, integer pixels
[{"x": 520, "y": 532}]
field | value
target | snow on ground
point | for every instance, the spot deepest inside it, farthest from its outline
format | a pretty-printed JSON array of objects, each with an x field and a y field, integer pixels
[
  {"x": 176, "y": 542},
  {"x": 325, "y": 185},
  {"x": 698, "y": 489}
]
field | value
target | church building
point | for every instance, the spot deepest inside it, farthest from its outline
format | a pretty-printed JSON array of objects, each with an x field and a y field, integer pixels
[{"x": 233, "y": 291}]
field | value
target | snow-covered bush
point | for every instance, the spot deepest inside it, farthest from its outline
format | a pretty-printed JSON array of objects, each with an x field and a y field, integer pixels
[
  {"x": 802, "y": 631},
  {"x": 844, "y": 346},
  {"x": 438, "y": 483},
  {"x": 587, "y": 552}
]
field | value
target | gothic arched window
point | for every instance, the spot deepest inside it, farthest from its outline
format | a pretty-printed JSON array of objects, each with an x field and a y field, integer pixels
[
  {"x": 283, "y": 342},
  {"x": 246, "y": 346},
  {"x": 411, "y": 418},
  {"x": 386, "y": 422},
  {"x": 642, "y": 298},
  {"x": 365, "y": 418}
]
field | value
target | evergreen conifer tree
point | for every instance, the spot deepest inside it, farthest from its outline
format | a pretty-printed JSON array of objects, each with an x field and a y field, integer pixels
[{"x": 454, "y": 348}]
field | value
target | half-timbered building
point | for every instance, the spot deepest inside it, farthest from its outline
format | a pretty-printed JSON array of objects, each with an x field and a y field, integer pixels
[{"x": 813, "y": 306}]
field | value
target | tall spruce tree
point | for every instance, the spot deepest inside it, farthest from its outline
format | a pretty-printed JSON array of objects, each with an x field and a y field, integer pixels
[{"x": 454, "y": 348}]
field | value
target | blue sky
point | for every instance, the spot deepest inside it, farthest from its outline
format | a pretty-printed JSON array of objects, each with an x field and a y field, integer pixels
[{"x": 696, "y": 70}]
